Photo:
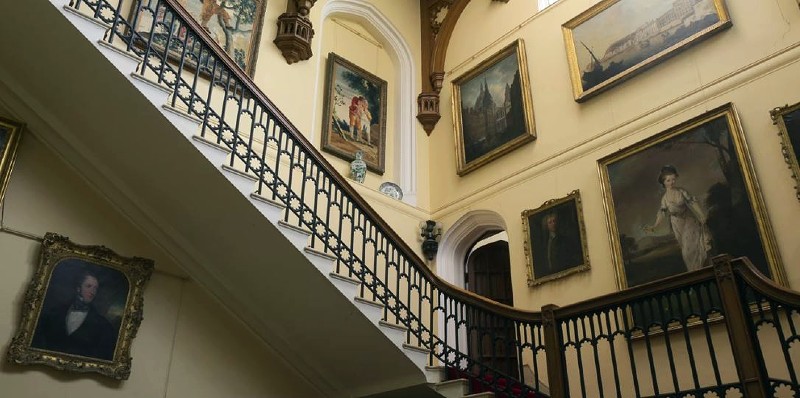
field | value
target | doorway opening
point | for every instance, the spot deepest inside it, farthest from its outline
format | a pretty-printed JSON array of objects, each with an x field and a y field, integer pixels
[{"x": 488, "y": 273}]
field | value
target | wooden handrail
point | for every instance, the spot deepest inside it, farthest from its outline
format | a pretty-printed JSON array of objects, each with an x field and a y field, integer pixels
[
  {"x": 311, "y": 150},
  {"x": 762, "y": 285},
  {"x": 628, "y": 295}
]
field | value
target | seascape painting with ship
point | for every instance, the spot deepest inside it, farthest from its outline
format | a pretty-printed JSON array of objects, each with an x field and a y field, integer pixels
[{"x": 609, "y": 42}]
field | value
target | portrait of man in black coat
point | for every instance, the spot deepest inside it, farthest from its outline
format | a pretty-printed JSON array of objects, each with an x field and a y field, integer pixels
[
  {"x": 557, "y": 246},
  {"x": 76, "y": 326}
]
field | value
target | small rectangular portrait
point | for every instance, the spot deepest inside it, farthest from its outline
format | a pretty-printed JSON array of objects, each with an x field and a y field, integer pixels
[
  {"x": 788, "y": 120},
  {"x": 555, "y": 239},
  {"x": 683, "y": 196},
  {"x": 82, "y": 309}
]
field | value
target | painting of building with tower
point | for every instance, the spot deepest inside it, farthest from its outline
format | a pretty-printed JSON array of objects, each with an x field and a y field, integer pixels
[{"x": 492, "y": 107}]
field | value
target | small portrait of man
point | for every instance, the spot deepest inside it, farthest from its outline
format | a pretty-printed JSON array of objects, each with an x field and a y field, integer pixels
[
  {"x": 555, "y": 237},
  {"x": 82, "y": 310}
]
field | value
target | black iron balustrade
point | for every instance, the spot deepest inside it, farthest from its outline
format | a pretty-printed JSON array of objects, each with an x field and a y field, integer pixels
[
  {"x": 207, "y": 84},
  {"x": 692, "y": 334},
  {"x": 773, "y": 327}
]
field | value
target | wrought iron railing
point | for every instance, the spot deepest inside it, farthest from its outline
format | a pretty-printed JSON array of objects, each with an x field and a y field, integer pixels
[{"x": 679, "y": 335}]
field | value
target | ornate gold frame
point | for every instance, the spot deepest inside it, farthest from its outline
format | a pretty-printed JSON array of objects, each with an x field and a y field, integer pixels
[
  {"x": 572, "y": 58},
  {"x": 378, "y": 167},
  {"x": 54, "y": 249},
  {"x": 552, "y": 203},
  {"x": 9, "y": 152},
  {"x": 528, "y": 135},
  {"x": 789, "y": 152},
  {"x": 727, "y": 111}
]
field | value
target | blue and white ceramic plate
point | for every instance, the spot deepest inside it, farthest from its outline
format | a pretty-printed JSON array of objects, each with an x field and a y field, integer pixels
[{"x": 392, "y": 190}]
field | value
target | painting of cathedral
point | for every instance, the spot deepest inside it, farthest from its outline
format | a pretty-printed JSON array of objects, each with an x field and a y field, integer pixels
[{"x": 492, "y": 108}]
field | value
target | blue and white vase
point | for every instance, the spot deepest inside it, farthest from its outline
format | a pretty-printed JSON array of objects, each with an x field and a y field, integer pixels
[{"x": 358, "y": 167}]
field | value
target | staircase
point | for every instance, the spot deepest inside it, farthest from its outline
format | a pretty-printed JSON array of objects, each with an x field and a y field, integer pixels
[
  {"x": 173, "y": 133},
  {"x": 110, "y": 115}
]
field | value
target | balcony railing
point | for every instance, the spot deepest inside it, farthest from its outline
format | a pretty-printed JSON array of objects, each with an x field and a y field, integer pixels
[{"x": 693, "y": 334}]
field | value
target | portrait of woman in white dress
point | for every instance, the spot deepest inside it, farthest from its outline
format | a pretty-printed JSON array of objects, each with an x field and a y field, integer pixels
[{"x": 687, "y": 220}]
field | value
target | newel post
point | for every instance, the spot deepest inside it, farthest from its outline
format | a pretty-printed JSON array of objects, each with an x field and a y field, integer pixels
[
  {"x": 743, "y": 343},
  {"x": 556, "y": 377}
]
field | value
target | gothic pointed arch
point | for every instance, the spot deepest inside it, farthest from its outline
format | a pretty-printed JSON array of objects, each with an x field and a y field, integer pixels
[
  {"x": 456, "y": 243},
  {"x": 404, "y": 146}
]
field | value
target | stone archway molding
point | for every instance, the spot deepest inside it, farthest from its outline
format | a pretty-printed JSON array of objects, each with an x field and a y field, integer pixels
[
  {"x": 404, "y": 99},
  {"x": 459, "y": 239},
  {"x": 454, "y": 246}
]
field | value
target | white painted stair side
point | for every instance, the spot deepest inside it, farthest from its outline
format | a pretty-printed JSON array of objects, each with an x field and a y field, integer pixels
[{"x": 273, "y": 211}]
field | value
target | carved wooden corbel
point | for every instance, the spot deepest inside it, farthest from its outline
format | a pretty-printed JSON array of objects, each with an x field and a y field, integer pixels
[
  {"x": 295, "y": 31},
  {"x": 439, "y": 18}
]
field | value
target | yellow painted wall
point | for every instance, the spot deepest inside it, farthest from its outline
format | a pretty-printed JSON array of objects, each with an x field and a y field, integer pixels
[
  {"x": 188, "y": 344},
  {"x": 754, "y": 64},
  {"x": 297, "y": 89},
  {"x": 352, "y": 42}
]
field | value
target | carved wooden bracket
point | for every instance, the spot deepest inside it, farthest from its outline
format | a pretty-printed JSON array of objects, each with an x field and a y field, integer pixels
[
  {"x": 295, "y": 31},
  {"x": 439, "y": 18},
  {"x": 428, "y": 110}
]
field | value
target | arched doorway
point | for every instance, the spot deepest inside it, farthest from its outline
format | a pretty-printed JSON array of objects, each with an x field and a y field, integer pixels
[
  {"x": 488, "y": 273},
  {"x": 473, "y": 254}
]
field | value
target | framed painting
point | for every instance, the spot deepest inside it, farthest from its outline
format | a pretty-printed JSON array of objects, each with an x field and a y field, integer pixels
[
  {"x": 492, "y": 108},
  {"x": 234, "y": 24},
  {"x": 616, "y": 39},
  {"x": 788, "y": 120},
  {"x": 678, "y": 198},
  {"x": 354, "y": 117},
  {"x": 555, "y": 239},
  {"x": 10, "y": 132},
  {"x": 82, "y": 309}
]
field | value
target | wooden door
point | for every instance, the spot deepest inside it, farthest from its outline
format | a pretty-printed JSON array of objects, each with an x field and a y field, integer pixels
[{"x": 490, "y": 339}]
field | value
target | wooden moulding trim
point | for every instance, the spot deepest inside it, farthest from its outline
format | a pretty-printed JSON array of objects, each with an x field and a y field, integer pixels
[
  {"x": 766, "y": 287},
  {"x": 443, "y": 38},
  {"x": 342, "y": 184}
]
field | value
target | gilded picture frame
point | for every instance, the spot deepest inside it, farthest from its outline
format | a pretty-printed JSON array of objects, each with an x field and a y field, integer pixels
[
  {"x": 82, "y": 309},
  {"x": 235, "y": 25},
  {"x": 787, "y": 118},
  {"x": 675, "y": 199},
  {"x": 555, "y": 239},
  {"x": 492, "y": 108},
  {"x": 354, "y": 113},
  {"x": 10, "y": 133},
  {"x": 616, "y": 39}
]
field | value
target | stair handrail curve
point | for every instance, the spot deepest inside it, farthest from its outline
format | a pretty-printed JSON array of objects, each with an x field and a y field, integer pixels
[
  {"x": 462, "y": 311},
  {"x": 443, "y": 297}
]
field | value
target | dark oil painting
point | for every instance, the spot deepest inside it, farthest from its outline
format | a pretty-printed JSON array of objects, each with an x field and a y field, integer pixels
[
  {"x": 82, "y": 310},
  {"x": 682, "y": 197}
]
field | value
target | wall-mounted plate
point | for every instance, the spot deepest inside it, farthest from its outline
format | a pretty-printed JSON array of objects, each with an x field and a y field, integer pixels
[{"x": 392, "y": 190}]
